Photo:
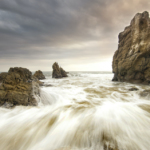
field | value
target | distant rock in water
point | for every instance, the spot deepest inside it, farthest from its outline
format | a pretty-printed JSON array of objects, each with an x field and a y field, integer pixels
[
  {"x": 39, "y": 74},
  {"x": 18, "y": 88},
  {"x": 131, "y": 62},
  {"x": 58, "y": 72}
]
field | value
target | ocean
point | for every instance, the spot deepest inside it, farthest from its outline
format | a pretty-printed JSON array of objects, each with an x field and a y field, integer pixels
[{"x": 85, "y": 111}]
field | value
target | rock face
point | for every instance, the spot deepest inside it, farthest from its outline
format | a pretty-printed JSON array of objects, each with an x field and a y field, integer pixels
[
  {"x": 18, "y": 88},
  {"x": 58, "y": 72},
  {"x": 39, "y": 74},
  {"x": 131, "y": 62},
  {"x": 2, "y": 76}
]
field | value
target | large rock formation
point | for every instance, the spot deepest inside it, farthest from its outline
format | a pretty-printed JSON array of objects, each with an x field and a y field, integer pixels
[
  {"x": 39, "y": 75},
  {"x": 18, "y": 88},
  {"x": 58, "y": 72},
  {"x": 131, "y": 62}
]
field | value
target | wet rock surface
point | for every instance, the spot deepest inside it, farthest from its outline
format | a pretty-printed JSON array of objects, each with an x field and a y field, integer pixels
[
  {"x": 58, "y": 72},
  {"x": 39, "y": 75},
  {"x": 18, "y": 88},
  {"x": 131, "y": 62}
]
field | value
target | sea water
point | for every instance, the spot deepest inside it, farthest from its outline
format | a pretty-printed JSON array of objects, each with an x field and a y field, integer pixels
[{"x": 85, "y": 111}]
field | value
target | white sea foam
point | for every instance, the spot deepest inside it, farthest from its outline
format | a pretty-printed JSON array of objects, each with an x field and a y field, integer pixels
[{"x": 82, "y": 112}]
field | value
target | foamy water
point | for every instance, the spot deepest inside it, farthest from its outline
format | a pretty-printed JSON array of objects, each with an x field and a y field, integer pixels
[{"x": 86, "y": 111}]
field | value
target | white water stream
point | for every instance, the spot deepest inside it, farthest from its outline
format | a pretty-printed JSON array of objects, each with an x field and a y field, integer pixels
[{"x": 82, "y": 112}]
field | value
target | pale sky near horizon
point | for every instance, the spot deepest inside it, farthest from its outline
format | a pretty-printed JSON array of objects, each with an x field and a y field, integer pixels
[{"x": 81, "y": 35}]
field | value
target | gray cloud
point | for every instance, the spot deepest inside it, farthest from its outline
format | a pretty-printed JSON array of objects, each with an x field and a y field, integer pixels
[{"x": 62, "y": 29}]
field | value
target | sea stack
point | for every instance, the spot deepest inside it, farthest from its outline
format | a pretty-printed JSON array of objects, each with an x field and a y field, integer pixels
[
  {"x": 39, "y": 75},
  {"x": 58, "y": 72},
  {"x": 131, "y": 62},
  {"x": 18, "y": 88}
]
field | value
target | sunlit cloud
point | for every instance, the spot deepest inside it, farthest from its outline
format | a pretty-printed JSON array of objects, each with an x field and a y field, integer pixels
[{"x": 81, "y": 35}]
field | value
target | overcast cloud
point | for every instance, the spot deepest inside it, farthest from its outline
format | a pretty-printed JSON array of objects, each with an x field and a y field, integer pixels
[{"x": 78, "y": 34}]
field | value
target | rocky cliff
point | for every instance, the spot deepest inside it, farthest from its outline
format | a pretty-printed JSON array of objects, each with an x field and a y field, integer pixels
[
  {"x": 58, "y": 72},
  {"x": 131, "y": 62},
  {"x": 18, "y": 88},
  {"x": 39, "y": 75}
]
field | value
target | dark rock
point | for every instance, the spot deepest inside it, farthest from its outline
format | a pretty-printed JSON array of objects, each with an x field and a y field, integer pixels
[
  {"x": 131, "y": 62},
  {"x": 39, "y": 74},
  {"x": 58, "y": 72},
  {"x": 18, "y": 88},
  {"x": 133, "y": 89}
]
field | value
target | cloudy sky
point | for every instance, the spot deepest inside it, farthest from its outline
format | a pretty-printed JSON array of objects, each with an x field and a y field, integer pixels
[{"x": 81, "y": 35}]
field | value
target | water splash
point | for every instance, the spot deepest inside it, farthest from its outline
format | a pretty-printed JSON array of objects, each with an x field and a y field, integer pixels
[{"x": 95, "y": 115}]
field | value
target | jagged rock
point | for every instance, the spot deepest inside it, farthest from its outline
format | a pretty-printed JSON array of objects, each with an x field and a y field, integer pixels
[
  {"x": 39, "y": 74},
  {"x": 2, "y": 76},
  {"x": 133, "y": 89},
  {"x": 131, "y": 62},
  {"x": 18, "y": 88},
  {"x": 58, "y": 72}
]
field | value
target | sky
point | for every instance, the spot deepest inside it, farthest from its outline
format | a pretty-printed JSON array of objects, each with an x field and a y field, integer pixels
[{"x": 81, "y": 35}]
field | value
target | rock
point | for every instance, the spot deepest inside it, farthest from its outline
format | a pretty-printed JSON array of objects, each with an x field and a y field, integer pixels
[
  {"x": 2, "y": 76},
  {"x": 131, "y": 62},
  {"x": 133, "y": 89},
  {"x": 39, "y": 74},
  {"x": 63, "y": 72},
  {"x": 18, "y": 88},
  {"x": 37, "y": 80},
  {"x": 58, "y": 72},
  {"x": 145, "y": 93}
]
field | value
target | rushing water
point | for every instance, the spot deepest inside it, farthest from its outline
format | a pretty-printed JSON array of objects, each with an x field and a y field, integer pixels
[{"x": 86, "y": 111}]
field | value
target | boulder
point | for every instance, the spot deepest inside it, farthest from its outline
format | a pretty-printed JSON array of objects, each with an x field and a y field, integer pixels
[
  {"x": 131, "y": 62},
  {"x": 18, "y": 88},
  {"x": 39, "y": 75},
  {"x": 58, "y": 72}
]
